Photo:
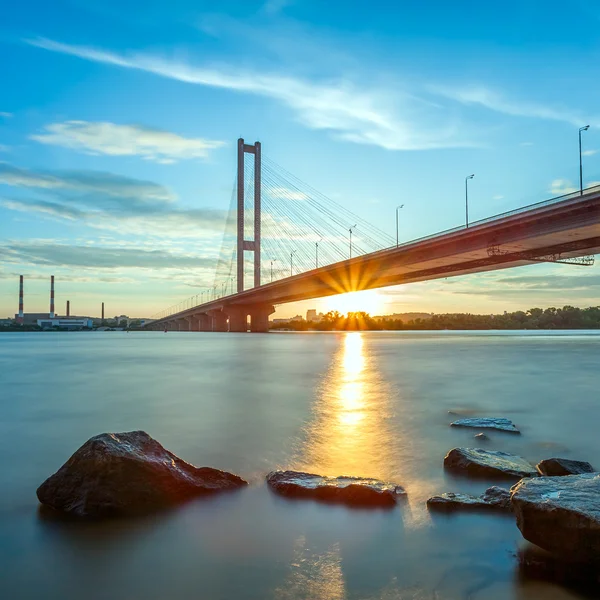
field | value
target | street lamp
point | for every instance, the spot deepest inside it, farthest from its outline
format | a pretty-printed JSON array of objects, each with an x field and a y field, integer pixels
[
  {"x": 580, "y": 161},
  {"x": 350, "y": 230},
  {"x": 317, "y": 252},
  {"x": 292, "y": 262},
  {"x": 467, "y": 196},
  {"x": 271, "y": 270},
  {"x": 397, "y": 209}
]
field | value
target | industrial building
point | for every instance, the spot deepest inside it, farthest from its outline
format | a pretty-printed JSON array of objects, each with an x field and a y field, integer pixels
[{"x": 50, "y": 319}]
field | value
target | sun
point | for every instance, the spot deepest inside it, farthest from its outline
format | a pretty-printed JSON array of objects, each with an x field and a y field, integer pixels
[{"x": 368, "y": 301}]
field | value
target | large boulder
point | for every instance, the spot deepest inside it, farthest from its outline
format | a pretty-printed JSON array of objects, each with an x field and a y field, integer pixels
[
  {"x": 561, "y": 514},
  {"x": 494, "y": 498},
  {"x": 486, "y": 423},
  {"x": 477, "y": 462},
  {"x": 554, "y": 467},
  {"x": 126, "y": 473},
  {"x": 353, "y": 491}
]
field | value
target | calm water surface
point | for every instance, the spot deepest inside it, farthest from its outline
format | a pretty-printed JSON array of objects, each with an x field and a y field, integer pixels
[{"x": 373, "y": 404}]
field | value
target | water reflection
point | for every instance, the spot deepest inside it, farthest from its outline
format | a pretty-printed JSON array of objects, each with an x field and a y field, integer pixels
[
  {"x": 350, "y": 432},
  {"x": 314, "y": 576}
]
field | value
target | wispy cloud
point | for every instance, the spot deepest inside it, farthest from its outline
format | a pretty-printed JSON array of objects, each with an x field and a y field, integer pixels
[
  {"x": 526, "y": 144},
  {"x": 560, "y": 187},
  {"x": 589, "y": 152},
  {"x": 495, "y": 101},
  {"x": 39, "y": 252},
  {"x": 275, "y": 7},
  {"x": 125, "y": 140},
  {"x": 6, "y": 115},
  {"x": 110, "y": 202},
  {"x": 360, "y": 113},
  {"x": 498, "y": 197}
]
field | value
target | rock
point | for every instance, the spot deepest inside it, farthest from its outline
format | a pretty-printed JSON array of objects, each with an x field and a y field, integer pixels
[
  {"x": 486, "y": 423},
  {"x": 495, "y": 498},
  {"x": 353, "y": 491},
  {"x": 116, "y": 474},
  {"x": 561, "y": 514},
  {"x": 482, "y": 437},
  {"x": 477, "y": 462},
  {"x": 535, "y": 563},
  {"x": 553, "y": 467}
]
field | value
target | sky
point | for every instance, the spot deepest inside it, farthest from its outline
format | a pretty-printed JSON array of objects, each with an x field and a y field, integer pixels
[{"x": 119, "y": 121}]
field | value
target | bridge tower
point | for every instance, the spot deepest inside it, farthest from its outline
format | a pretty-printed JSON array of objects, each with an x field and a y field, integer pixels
[{"x": 243, "y": 244}]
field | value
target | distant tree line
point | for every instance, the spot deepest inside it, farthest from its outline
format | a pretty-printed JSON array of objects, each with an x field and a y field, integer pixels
[{"x": 568, "y": 317}]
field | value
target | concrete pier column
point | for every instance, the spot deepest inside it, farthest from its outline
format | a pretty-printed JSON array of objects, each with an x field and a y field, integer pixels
[
  {"x": 238, "y": 318},
  {"x": 260, "y": 318},
  {"x": 219, "y": 320},
  {"x": 193, "y": 323},
  {"x": 204, "y": 322},
  {"x": 182, "y": 325}
]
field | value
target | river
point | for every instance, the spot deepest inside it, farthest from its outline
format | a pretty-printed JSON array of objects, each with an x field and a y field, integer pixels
[{"x": 372, "y": 404}]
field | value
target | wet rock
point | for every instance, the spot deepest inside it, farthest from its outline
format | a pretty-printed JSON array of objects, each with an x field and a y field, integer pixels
[
  {"x": 477, "y": 462},
  {"x": 486, "y": 423},
  {"x": 553, "y": 467},
  {"x": 535, "y": 563},
  {"x": 482, "y": 437},
  {"x": 494, "y": 498},
  {"x": 116, "y": 474},
  {"x": 353, "y": 491},
  {"x": 561, "y": 514}
]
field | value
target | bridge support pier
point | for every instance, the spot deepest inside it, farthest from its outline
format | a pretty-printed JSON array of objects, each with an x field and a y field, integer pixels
[
  {"x": 259, "y": 315},
  {"x": 193, "y": 323},
  {"x": 182, "y": 325},
  {"x": 219, "y": 320},
  {"x": 204, "y": 322}
]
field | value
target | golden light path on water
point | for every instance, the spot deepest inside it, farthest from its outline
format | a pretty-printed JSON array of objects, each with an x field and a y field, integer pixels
[{"x": 356, "y": 429}]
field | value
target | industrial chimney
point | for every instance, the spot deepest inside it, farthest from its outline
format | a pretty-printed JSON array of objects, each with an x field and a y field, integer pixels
[
  {"x": 68, "y": 308},
  {"x": 20, "y": 317},
  {"x": 52, "y": 297}
]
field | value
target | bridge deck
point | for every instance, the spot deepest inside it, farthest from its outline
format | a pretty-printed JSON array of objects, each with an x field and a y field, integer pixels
[{"x": 569, "y": 227}]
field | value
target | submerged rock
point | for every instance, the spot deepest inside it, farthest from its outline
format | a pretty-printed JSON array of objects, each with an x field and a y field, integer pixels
[
  {"x": 494, "y": 498},
  {"x": 553, "y": 467},
  {"x": 482, "y": 437},
  {"x": 486, "y": 423},
  {"x": 477, "y": 462},
  {"x": 353, "y": 491},
  {"x": 126, "y": 473},
  {"x": 561, "y": 514}
]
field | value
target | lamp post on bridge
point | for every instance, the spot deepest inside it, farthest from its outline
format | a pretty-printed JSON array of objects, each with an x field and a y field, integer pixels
[
  {"x": 350, "y": 231},
  {"x": 581, "y": 161},
  {"x": 292, "y": 262},
  {"x": 397, "y": 209},
  {"x": 467, "y": 197},
  {"x": 272, "y": 261},
  {"x": 317, "y": 252}
]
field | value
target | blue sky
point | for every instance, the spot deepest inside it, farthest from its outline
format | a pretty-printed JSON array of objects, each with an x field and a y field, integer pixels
[{"x": 119, "y": 121}]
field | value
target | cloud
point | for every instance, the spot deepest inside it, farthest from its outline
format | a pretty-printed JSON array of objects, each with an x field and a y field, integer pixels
[
  {"x": 589, "y": 152},
  {"x": 42, "y": 253},
  {"x": 285, "y": 193},
  {"x": 99, "y": 186},
  {"x": 561, "y": 187},
  {"x": 498, "y": 197},
  {"x": 125, "y": 140},
  {"x": 110, "y": 202},
  {"x": 4, "y": 148},
  {"x": 553, "y": 282},
  {"x": 6, "y": 115},
  {"x": 275, "y": 7},
  {"x": 389, "y": 118},
  {"x": 492, "y": 100}
]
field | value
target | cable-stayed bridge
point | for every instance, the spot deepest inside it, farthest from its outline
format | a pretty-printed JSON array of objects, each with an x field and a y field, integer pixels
[{"x": 284, "y": 241}]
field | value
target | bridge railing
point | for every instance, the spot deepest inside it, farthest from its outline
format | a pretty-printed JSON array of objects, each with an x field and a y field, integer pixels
[{"x": 503, "y": 215}]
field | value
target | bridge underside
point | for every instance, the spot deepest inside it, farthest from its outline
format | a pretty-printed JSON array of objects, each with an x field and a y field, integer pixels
[{"x": 551, "y": 233}]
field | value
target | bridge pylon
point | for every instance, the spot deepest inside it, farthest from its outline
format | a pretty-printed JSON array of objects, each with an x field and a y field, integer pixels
[{"x": 243, "y": 244}]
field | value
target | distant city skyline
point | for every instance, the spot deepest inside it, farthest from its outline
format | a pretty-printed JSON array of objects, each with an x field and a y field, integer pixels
[{"x": 118, "y": 125}]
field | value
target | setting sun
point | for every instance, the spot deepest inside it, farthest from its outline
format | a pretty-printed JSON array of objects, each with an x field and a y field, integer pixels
[{"x": 368, "y": 301}]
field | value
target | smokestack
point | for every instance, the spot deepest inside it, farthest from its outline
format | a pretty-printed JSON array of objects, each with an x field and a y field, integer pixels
[
  {"x": 68, "y": 308},
  {"x": 20, "y": 317},
  {"x": 103, "y": 311},
  {"x": 52, "y": 297}
]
